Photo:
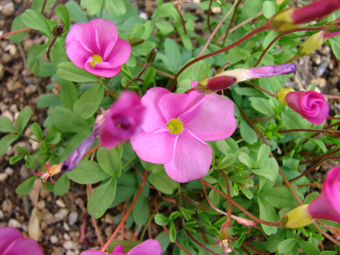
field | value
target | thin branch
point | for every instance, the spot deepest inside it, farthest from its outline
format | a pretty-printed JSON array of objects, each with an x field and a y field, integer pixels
[
  {"x": 228, "y": 220},
  {"x": 208, "y": 14},
  {"x": 199, "y": 244},
  {"x": 259, "y": 88},
  {"x": 159, "y": 71},
  {"x": 326, "y": 235},
  {"x": 231, "y": 21},
  {"x": 16, "y": 32}
]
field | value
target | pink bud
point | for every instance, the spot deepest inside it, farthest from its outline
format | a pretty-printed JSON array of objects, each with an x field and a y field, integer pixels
[{"x": 309, "y": 104}]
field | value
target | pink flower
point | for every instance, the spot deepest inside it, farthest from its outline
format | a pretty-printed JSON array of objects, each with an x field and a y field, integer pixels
[
  {"x": 95, "y": 47},
  {"x": 12, "y": 243},
  {"x": 175, "y": 127},
  {"x": 327, "y": 205},
  {"x": 148, "y": 247},
  {"x": 309, "y": 104},
  {"x": 122, "y": 120},
  {"x": 259, "y": 72}
]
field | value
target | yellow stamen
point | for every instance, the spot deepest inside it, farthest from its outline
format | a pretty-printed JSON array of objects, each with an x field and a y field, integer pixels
[
  {"x": 175, "y": 126},
  {"x": 95, "y": 60}
]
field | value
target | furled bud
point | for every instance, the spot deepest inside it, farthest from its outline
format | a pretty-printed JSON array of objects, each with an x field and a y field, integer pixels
[
  {"x": 150, "y": 58},
  {"x": 49, "y": 172},
  {"x": 136, "y": 41},
  {"x": 213, "y": 84},
  {"x": 281, "y": 95},
  {"x": 58, "y": 30},
  {"x": 298, "y": 217}
]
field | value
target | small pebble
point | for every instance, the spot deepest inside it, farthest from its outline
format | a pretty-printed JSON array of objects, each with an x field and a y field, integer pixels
[
  {"x": 30, "y": 89},
  {"x": 5, "y": 58},
  {"x": 23, "y": 172},
  {"x": 60, "y": 203},
  {"x": 2, "y": 71},
  {"x": 8, "y": 9},
  {"x": 12, "y": 86},
  {"x": 13, "y": 108},
  {"x": 54, "y": 239},
  {"x": 66, "y": 226},
  {"x": 14, "y": 223},
  {"x": 9, "y": 171},
  {"x": 41, "y": 204},
  {"x": 61, "y": 214},
  {"x": 68, "y": 245},
  {"x": 66, "y": 236},
  {"x": 7, "y": 114},
  {"x": 108, "y": 231},
  {"x": 72, "y": 218},
  {"x": 1, "y": 215},
  {"x": 11, "y": 49},
  {"x": 24, "y": 227},
  {"x": 3, "y": 177},
  {"x": 7, "y": 206}
]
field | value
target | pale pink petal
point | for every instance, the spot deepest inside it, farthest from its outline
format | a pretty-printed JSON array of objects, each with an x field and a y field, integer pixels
[
  {"x": 173, "y": 105},
  {"x": 118, "y": 248},
  {"x": 154, "y": 120},
  {"x": 214, "y": 118},
  {"x": 194, "y": 84},
  {"x": 331, "y": 187},
  {"x": 102, "y": 69},
  {"x": 75, "y": 33},
  {"x": 7, "y": 236},
  {"x": 148, "y": 247},
  {"x": 155, "y": 148},
  {"x": 86, "y": 35},
  {"x": 25, "y": 246},
  {"x": 93, "y": 252},
  {"x": 106, "y": 31},
  {"x": 191, "y": 160},
  {"x": 78, "y": 54},
  {"x": 119, "y": 54}
]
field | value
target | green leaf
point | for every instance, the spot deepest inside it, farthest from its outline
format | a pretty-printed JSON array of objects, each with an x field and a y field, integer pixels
[
  {"x": 144, "y": 48},
  {"x": 268, "y": 213},
  {"x": 66, "y": 120},
  {"x": 308, "y": 248},
  {"x": 5, "y": 142},
  {"x": 162, "y": 182},
  {"x": 15, "y": 159},
  {"x": 173, "y": 53},
  {"x": 185, "y": 39},
  {"x": 18, "y": 24},
  {"x": 166, "y": 10},
  {"x": 274, "y": 240},
  {"x": 63, "y": 15},
  {"x": 116, "y": 7},
  {"x": 109, "y": 161},
  {"x": 161, "y": 220},
  {"x": 123, "y": 193},
  {"x": 335, "y": 44},
  {"x": 286, "y": 245},
  {"x": 68, "y": 93},
  {"x": 149, "y": 76},
  {"x": 268, "y": 9},
  {"x": 137, "y": 31},
  {"x": 280, "y": 197},
  {"x": 25, "y": 187},
  {"x": 293, "y": 120},
  {"x": 101, "y": 198},
  {"x": 70, "y": 72},
  {"x": 89, "y": 102},
  {"x": 62, "y": 185},
  {"x": 92, "y": 6},
  {"x": 53, "y": 139},
  {"x": 164, "y": 26},
  {"x": 38, "y": 4},
  {"x": 248, "y": 133},
  {"x": 228, "y": 160},
  {"x": 87, "y": 172},
  {"x": 267, "y": 173},
  {"x": 252, "y": 7},
  {"x": 140, "y": 211},
  {"x": 6, "y": 125},
  {"x": 172, "y": 232},
  {"x": 36, "y": 130},
  {"x": 246, "y": 159},
  {"x": 199, "y": 70},
  {"x": 262, "y": 105},
  {"x": 247, "y": 193},
  {"x": 320, "y": 144},
  {"x": 262, "y": 155},
  {"x": 23, "y": 119},
  {"x": 76, "y": 13},
  {"x": 36, "y": 21},
  {"x": 58, "y": 54},
  {"x": 35, "y": 58}
]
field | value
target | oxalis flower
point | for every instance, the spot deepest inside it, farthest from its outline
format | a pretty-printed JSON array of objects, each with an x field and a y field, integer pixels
[
  {"x": 95, "y": 47},
  {"x": 310, "y": 105},
  {"x": 175, "y": 128},
  {"x": 326, "y": 206},
  {"x": 148, "y": 247},
  {"x": 12, "y": 243}
]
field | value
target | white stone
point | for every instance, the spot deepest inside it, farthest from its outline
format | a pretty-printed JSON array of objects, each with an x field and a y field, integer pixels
[
  {"x": 14, "y": 223},
  {"x": 66, "y": 226},
  {"x": 61, "y": 214},
  {"x": 3, "y": 177},
  {"x": 54, "y": 239},
  {"x": 68, "y": 245},
  {"x": 1, "y": 215},
  {"x": 12, "y": 49},
  {"x": 9, "y": 171},
  {"x": 60, "y": 203},
  {"x": 13, "y": 108},
  {"x": 72, "y": 218},
  {"x": 8, "y": 9}
]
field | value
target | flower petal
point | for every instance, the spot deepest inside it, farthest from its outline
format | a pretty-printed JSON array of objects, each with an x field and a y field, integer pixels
[
  {"x": 78, "y": 54},
  {"x": 101, "y": 69},
  {"x": 7, "y": 236},
  {"x": 155, "y": 148},
  {"x": 119, "y": 54},
  {"x": 106, "y": 31},
  {"x": 214, "y": 118},
  {"x": 331, "y": 187},
  {"x": 154, "y": 119},
  {"x": 75, "y": 33},
  {"x": 20, "y": 246},
  {"x": 94, "y": 252},
  {"x": 191, "y": 160},
  {"x": 148, "y": 247},
  {"x": 173, "y": 105}
]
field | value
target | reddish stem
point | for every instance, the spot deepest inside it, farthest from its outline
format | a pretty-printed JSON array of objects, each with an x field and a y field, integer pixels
[
  {"x": 228, "y": 220},
  {"x": 231, "y": 22},
  {"x": 259, "y": 88},
  {"x": 16, "y": 32},
  {"x": 254, "y": 249},
  {"x": 208, "y": 14},
  {"x": 320, "y": 157},
  {"x": 127, "y": 213},
  {"x": 244, "y": 38}
]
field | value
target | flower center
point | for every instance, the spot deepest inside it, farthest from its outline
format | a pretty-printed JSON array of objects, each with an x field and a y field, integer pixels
[
  {"x": 175, "y": 126},
  {"x": 95, "y": 60}
]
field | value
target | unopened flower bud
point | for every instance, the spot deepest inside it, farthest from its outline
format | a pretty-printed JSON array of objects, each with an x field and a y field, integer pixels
[
  {"x": 213, "y": 84},
  {"x": 150, "y": 58},
  {"x": 58, "y": 30},
  {"x": 224, "y": 232},
  {"x": 298, "y": 217},
  {"x": 281, "y": 95},
  {"x": 136, "y": 41}
]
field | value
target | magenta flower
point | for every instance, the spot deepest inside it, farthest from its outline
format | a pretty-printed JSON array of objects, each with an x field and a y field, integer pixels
[
  {"x": 309, "y": 104},
  {"x": 148, "y": 247},
  {"x": 12, "y": 243},
  {"x": 95, "y": 47},
  {"x": 259, "y": 72},
  {"x": 175, "y": 127},
  {"x": 326, "y": 206},
  {"x": 122, "y": 120}
]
